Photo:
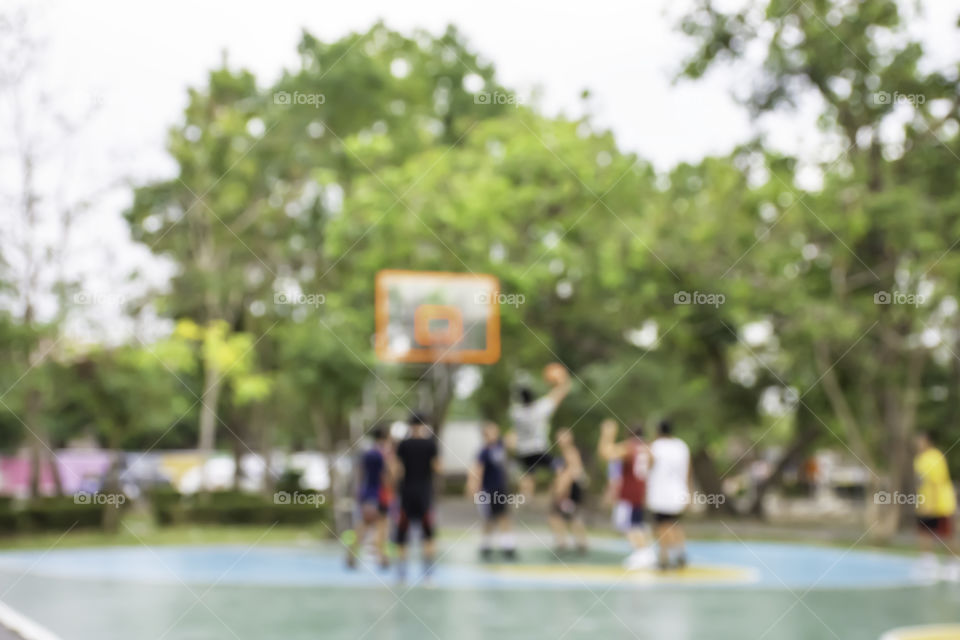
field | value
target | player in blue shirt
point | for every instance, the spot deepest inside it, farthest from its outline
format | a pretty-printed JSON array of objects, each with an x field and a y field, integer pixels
[
  {"x": 373, "y": 496},
  {"x": 487, "y": 483}
]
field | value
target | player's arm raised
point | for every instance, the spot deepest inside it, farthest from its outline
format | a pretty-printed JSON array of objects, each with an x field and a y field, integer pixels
[
  {"x": 561, "y": 386},
  {"x": 608, "y": 448}
]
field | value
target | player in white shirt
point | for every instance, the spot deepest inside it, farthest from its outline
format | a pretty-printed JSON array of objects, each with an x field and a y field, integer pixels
[
  {"x": 531, "y": 423},
  {"x": 668, "y": 494}
]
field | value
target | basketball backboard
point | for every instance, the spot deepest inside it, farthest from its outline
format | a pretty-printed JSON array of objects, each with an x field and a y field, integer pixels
[{"x": 435, "y": 316}]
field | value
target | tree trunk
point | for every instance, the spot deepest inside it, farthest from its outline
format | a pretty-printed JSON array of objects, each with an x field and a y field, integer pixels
[
  {"x": 55, "y": 476},
  {"x": 111, "y": 487},
  {"x": 841, "y": 408},
  {"x": 208, "y": 408},
  {"x": 40, "y": 453},
  {"x": 899, "y": 405},
  {"x": 321, "y": 433},
  {"x": 238, "y": 448},
  {"x": 709, "y": 480},
  {"x": 212, "y": 385},
  {"x": 36, "y": 461},
  {"x": 806, "y": 435},
  {"x": 240, "y": 428},
  {"x": 441, "y": 386},
  {"x": 265, "y": 429}
]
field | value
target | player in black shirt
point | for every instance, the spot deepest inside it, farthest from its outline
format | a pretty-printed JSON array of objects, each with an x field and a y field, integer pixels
[{"x": 418, "y": 459}]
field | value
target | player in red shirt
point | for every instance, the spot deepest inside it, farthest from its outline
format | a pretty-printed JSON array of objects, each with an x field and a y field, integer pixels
[{"x": 635, "y": 461}]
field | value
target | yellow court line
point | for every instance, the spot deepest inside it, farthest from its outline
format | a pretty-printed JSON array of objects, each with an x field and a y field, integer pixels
[
  {"x": 593, "y": 572},
  {"x": 929, "y": 632}
]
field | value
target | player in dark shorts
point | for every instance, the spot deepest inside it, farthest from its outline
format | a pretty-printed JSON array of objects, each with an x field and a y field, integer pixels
[
  {"x": 669, "y": 485},
  {"x": 373, "y": 497},
  {"x": 530, "y": 439},
  {"x": 417, "y": 461},
  {"x": 936, "y": 503},
  {"x": 487, "y": 485},
  {"x": 567, "y": 494}
]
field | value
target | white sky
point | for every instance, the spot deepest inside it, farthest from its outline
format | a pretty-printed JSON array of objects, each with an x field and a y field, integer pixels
[{"x": 136, "y": 60}]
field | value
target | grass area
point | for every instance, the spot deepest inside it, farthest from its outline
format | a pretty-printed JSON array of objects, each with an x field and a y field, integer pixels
[{"x": 139, "y": 529}]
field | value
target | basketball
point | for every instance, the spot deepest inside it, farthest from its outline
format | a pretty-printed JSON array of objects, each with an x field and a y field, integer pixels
[{"x": 555, "y": 373}]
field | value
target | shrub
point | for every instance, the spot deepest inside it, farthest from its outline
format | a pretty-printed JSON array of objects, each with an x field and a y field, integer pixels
[
  {"x": 233, "y": 507},
  {"x": 166, "y": 504},
  {"x": 289, "y": 480},
  {"x": 9, "y": 518},
  {"x": 59, "y": 514}
]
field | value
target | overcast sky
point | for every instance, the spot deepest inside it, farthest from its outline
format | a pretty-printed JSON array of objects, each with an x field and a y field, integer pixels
[{"x": 135, "y": 60}]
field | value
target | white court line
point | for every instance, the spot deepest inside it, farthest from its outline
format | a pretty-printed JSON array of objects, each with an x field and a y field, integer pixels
[{"x": 22, "y": 625}]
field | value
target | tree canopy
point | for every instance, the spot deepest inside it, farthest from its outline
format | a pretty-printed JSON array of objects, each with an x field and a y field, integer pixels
[{"x": 761, "y": 299}]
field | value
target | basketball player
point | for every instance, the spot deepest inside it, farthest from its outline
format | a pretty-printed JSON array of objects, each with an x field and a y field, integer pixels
[
  {"x": 936, "y": 508},
  {"x": 668, "y": 494},
  {"x": 531, "y": 422},
  {"x": 373, "y": 497},
  {"x": 487, "y": 485},
  {"x": 417, "y": 462},
  {"x": 635, "y": 459},
  {"x": 565, "y": 515}
]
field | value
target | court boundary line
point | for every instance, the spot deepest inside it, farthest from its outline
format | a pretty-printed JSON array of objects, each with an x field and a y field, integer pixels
[{"x": 23, "y": 626}]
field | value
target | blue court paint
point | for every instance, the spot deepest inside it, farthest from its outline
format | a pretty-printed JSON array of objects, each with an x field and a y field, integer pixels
[{"x": 727, "y": 565}]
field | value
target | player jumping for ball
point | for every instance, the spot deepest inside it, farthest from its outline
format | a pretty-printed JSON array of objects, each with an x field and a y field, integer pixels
[{"x": 531, "y": 422}]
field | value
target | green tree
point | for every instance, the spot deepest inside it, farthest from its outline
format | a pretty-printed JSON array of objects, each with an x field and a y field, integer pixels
[{"x": 883, "y": 223}]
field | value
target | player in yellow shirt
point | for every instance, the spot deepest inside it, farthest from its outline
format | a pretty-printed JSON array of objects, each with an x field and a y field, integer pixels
[{"x": 936, "y": 504}]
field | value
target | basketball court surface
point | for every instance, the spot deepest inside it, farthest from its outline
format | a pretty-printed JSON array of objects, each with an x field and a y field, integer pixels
[{"x": 732, "y": 590}]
